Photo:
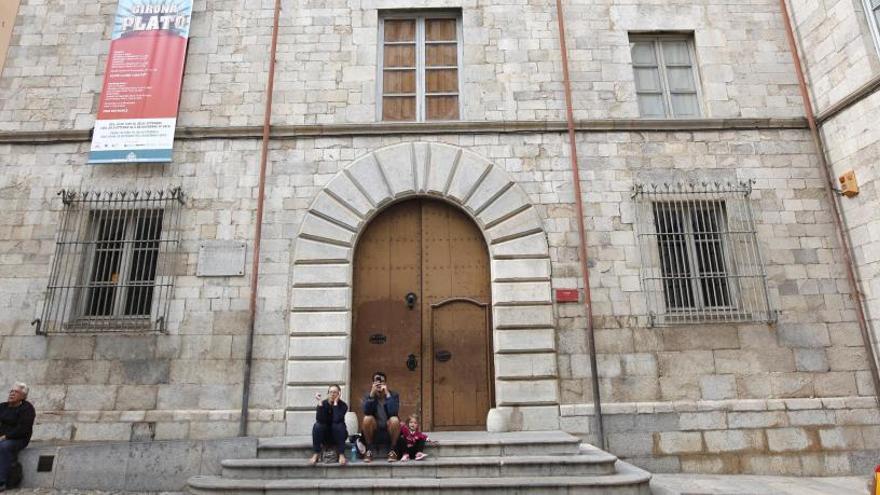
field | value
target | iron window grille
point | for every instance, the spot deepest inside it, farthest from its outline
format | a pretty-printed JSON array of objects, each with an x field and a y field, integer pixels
[
  {"x": 700, "y": 259},
  {"x": 114, "y": 262}
]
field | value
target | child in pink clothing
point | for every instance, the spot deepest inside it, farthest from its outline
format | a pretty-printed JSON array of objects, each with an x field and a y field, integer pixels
[{"x": 412, "y": 441}]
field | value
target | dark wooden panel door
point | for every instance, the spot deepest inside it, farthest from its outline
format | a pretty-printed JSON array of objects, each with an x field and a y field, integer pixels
[
  {"x": 387, "y": 267},
  {"x": 434, "y": 251}
]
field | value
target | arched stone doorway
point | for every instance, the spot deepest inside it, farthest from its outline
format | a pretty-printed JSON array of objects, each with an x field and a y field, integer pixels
[{"x": 523, "y": 335}]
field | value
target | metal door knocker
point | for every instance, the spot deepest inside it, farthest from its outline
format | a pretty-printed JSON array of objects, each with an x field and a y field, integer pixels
[
  {"x": 411, "y": 362},
  {"x": 411, "y": 300}
]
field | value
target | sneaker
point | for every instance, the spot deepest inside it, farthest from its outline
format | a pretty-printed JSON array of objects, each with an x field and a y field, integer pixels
[
  {"x": 420, "y": 456},
  {"x": 392, "y": 456},
  {"x": 404, "y": 458},
  {"x": 368, "y": 456}
]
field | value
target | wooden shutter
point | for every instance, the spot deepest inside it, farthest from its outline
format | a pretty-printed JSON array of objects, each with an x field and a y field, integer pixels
[
  {"x": 399, "y": 71},
  {"x": 441, "y": 69}
]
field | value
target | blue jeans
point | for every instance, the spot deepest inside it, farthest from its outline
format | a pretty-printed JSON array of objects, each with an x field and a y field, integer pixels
[{"x": 8, "y": 452}]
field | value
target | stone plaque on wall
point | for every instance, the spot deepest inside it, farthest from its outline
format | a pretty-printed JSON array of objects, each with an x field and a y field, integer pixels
[{"x": 221, "y": 259}]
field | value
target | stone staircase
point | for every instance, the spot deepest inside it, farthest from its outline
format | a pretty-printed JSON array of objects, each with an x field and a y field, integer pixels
[{"x": 549, "y": 462}]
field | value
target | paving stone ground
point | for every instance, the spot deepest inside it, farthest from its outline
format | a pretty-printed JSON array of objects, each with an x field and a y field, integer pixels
[{"x": 687, "y": 484}]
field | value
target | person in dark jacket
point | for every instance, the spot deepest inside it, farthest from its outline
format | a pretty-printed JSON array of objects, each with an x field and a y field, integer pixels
[
  {"x": 16, "y": 426},
  {"x": 329, "y": 424},
  {"x": 381, "y": 410}
]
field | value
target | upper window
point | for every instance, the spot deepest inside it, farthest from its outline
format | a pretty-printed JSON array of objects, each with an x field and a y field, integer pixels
[
  {"x": 113, "y": 262},
  {"x": 420, "y": 67},
  {"x": 873, "y": 9},
  {"x": 700, "y": 257},
  {"x": 665, "y": 75}
]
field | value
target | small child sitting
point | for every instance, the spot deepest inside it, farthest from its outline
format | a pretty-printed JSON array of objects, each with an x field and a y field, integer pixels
[{"x": 412, "y": 441}]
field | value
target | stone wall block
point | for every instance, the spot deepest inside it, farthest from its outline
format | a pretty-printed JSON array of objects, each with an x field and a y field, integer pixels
[
  {"x": 317, "y": 228},
  {"x": 442, "y": 160},
  {"x": 531, "y": 246},
  {"x": 323, "y": 275},
  {"x": 504, "y": 270},
  {"x": 347, "y": 193},
  {"x": 679, "y": 443},
  {"x": 312, "y": 372},
  {"x": 511, "y": 201},
  {"x": 398, "y": 167},
  {"x": 323, "y": 322},
  {"x": 523, "y": 223},
  {"x": 525, "y": 392},
  {"x": 764, "y": 419},
  {"x": 788, "y": 439},
  {"x": 329, "y": 207},
  {"x": 735, "y": 441},
  {"x": 469, "y": 173},
  {"x": 715, "y": 420},
  {"x": 314, "y": 251},
  {"x": 521, "y": 292},
  {"x": 513, "y": 341},
  {"x": 523, "y": 316},
  {"x": 525, "y": 365},
  {"x": 491, "y": 186},
  {"x": 371, "y": 179},
  {"x": 320, "y": 347},
  {"x": 322, "y": 298}
]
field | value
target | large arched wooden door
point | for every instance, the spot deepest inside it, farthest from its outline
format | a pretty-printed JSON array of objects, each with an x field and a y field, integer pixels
[{"x": 436, "y": 348}]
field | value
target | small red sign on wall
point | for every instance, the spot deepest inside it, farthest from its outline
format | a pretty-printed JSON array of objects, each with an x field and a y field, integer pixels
[{"x": 567, "y": 295}]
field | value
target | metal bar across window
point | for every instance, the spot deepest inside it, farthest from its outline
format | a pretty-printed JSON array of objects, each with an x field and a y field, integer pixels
[{"x": 114, "y": 261}]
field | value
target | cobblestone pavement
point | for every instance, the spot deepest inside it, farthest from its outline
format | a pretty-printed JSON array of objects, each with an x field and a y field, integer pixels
[{"x": 681, "y": 484}]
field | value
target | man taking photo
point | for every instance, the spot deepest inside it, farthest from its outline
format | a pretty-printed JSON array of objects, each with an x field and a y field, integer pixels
[{"x": 381, "y": 410}]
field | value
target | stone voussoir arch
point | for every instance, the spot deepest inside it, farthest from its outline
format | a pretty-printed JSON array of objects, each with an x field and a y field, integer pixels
[{"x": 526, "y": 385}]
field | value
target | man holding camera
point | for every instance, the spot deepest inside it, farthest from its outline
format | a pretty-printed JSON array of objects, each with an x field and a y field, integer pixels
[{"x": 381, "y": 410}]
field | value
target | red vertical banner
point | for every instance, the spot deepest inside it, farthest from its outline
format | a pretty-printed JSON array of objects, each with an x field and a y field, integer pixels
[{"x": 137, "y": 113}]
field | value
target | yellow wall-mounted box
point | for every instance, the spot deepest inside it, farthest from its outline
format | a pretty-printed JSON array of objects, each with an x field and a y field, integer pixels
[{"x": 849, "y": 187}]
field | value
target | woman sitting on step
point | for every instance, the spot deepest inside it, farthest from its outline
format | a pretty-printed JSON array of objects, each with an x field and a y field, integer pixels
[{"x": 329, "y": 424}]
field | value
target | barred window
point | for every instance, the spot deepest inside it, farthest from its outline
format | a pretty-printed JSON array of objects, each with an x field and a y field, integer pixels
[
  {"x": 114, "y": 261},
  {"x": 700, "y": 256},
  {"x": 665, "y": 75},
  {"x": 419, "y": 66}
]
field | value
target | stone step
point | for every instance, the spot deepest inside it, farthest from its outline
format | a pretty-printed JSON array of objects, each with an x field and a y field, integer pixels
[
  {"x": 588, "y": 463},
  {"x": 627, "y": 480},
  {"x": 451, "y": 444}
]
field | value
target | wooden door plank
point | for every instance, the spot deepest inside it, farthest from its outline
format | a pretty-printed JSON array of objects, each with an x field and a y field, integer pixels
[
  {"x": 387, "y": 267},
  {"x": 455, "y": 264}
]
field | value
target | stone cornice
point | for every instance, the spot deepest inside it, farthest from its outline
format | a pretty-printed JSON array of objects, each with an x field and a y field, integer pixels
[
  {"x": 849, "y": 100},
  {"x": 430, "y": 128}
]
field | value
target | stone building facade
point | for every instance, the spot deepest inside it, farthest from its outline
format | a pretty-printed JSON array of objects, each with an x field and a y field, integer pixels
[{"x": 787, "y": 392}]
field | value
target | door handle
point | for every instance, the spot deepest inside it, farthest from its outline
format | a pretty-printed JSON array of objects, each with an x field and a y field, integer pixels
[
  {"x": 411, "y": 362},
  {"x": 443, "y": 356}
]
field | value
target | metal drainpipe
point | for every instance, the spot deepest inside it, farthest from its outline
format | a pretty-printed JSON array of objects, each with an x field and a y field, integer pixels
[
  {"x": 842, "y": 235},
  {"x": 258, "y": 228},
  {"x": 579, "y": 209}
]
